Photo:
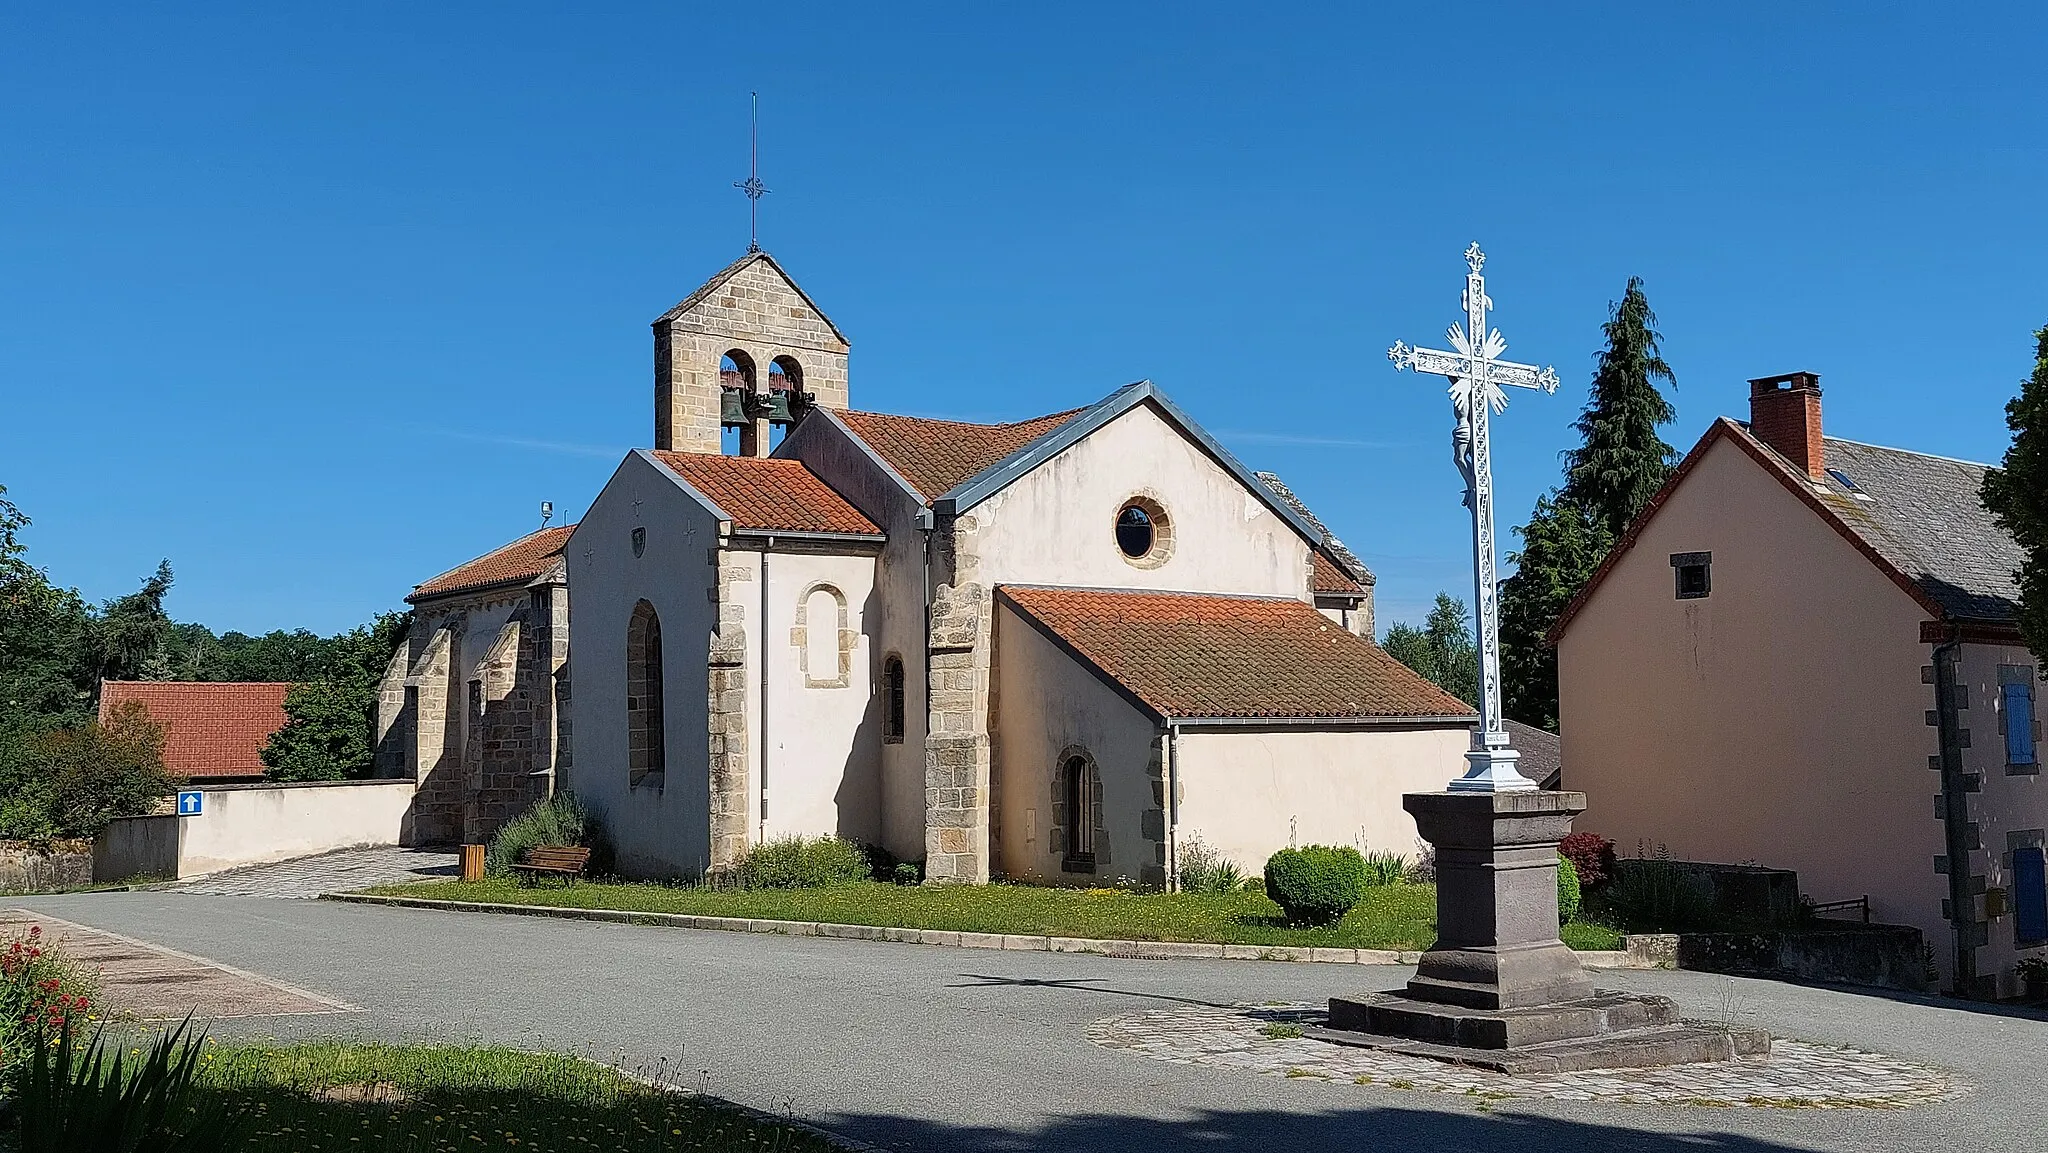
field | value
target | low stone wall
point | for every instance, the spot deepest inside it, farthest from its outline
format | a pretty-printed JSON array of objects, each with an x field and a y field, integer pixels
[
  {"x": 28, "y": 868},
  {"x": 1882, "y": 956},
  {"x": 251, "y": 824}
]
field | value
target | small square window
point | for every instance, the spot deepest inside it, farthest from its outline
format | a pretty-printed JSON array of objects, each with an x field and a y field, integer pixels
[{"x": 1695, "y": 574}]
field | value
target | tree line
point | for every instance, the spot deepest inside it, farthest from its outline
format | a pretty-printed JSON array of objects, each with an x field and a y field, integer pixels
[
  {"x": 1620, "y": 463},
  {"x": 62, "y": 773}
]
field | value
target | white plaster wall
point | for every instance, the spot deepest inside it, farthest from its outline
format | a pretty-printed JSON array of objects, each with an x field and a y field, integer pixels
[
  {"x": 1779, "y": 720},
  {"x": 1246, "y": 792},
  {"x": 664, "y": 832},
  {"x": 893, "y": 622},
  {"x": 1056, "y": 525},
  {"x": 245, "y": 825},
  {"x": 1048, "y": 703},
  {"x": 823, "y": 743},
  {"x": 2009, "y": 803}
]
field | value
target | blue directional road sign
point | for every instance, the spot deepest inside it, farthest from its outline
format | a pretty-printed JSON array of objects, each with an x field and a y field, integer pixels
[{"x": 191, "y": 804}]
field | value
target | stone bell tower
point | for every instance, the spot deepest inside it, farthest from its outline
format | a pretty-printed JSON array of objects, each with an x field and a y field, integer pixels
[{"x": 749, "y": 350}]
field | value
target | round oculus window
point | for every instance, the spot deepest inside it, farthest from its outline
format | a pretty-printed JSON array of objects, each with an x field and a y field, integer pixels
[{"x": 1134, "y": 531}]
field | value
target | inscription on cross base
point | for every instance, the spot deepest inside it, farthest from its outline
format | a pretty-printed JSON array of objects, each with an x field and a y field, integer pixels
[{"x": 1477, "y": 375}]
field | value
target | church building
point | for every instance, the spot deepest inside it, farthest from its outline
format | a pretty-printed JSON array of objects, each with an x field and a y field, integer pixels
[{"x": 1050, "y": 650}]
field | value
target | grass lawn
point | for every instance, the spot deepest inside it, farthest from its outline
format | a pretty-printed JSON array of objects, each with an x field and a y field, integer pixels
[
  {"x": 336, "y": 1097},
  {"x": 1390, "y": 917}
]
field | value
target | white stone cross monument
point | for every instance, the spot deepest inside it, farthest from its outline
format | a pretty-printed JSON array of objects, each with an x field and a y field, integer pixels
[{"x": 1477, "y": 373}]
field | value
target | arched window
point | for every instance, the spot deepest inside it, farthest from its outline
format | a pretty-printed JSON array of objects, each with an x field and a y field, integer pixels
[
  {"x": 785, "y": 375},
  {"x": 824, "y": 644},
  {"x": 735, "y": 386},
  {"x": 1078, "y": 792},
  {"x": 646, "y": 747},
  {"x": 892, "y": 700}
]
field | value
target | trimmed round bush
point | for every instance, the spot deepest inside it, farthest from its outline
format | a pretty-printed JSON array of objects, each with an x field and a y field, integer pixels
[
  {"x": 1315, "y": 884},
  {"x": 804, "y": 863},
  {"x": 1567, "y": 890}
]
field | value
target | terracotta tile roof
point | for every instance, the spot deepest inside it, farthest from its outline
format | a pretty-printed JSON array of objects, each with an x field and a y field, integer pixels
[
  {"x": 764, "y": 492},
  {"x": 936, "y": 455},
  {"x": 211, "y": 729},
  {"x": 522, "y": 560},
  {"x": 1328, "y": 578},
  {"x": 1193, "y": 655}
]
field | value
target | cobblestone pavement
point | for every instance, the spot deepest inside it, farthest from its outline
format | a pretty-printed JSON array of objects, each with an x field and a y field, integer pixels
[
  {"x": 1254, "y": 1038},
  {"x": 335, "y": 872}
]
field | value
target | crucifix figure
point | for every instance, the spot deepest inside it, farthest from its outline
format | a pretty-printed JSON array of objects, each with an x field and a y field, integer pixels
[
  {"x": 752, "y": 185},
  {"x": 1476, "y": 374}
]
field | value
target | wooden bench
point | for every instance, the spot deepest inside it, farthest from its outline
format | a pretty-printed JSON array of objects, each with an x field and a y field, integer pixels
[{"x": 552, "y": 861}]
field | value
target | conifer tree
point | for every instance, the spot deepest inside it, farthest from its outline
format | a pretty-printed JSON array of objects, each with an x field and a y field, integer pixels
[
  {"x": 1621, "y": 461},
  {"x": 1618, "y": 466},
  {"x": 2017, "y": 494}
]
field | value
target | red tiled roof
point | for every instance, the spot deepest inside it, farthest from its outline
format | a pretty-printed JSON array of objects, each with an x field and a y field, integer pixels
[
  {"x": 522, "y": 560},
  {"x": 936, "y": 455},
  {"x": 1328, "y": 578},
  {"x": 1192, "y": 655},
  {"x": 211, "y": 729},
  {"x": 767, "y": 493}
]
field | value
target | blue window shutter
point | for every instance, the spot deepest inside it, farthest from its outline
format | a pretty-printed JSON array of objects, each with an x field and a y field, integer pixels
[
  {"x": 2030, "y": 894},
  {"x": 2019, "y": 724}
]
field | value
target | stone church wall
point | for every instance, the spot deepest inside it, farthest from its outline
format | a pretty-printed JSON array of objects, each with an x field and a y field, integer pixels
[
  {"x": 699, "y": 598},
  {"x": 1055, "y": 709},
  {"x": 894, "y": 621},
  {"x": 468, "y": 709}
]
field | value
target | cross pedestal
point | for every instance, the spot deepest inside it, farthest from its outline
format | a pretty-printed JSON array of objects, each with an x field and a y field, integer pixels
[
  {"x": 1499, "y": 990},
  {"x": 1496, "y": 900}
]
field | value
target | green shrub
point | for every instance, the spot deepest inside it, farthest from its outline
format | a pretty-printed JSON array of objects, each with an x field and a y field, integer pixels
[
  {"x": 71, "y": 782},
  {"x": 557, "y": 821},
  {"x": 1316, "y": 884},
  {"x": 1385, "y": 868},
  {"x": 1653, "y": 896},
  {"x": 1204, "y": 870},
  {"x": 908, "y": 872},
  {"x": 1567, "y": 890},
  {"x": 85, "y": 1098},
  {"x": 803, "y": 863}
]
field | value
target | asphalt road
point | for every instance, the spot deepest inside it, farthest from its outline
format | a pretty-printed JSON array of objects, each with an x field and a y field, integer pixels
[{"x": 917, "y": 1047}]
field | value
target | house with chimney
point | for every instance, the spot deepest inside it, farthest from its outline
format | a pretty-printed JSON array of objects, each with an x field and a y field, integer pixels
[{"x": 1804, "y": 654}]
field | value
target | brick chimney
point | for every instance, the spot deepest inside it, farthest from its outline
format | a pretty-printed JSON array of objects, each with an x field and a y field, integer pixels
[{"x": 1784, "y": 412}]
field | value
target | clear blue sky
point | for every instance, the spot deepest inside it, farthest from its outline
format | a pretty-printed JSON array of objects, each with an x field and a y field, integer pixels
[{"x": 317, "y": 301}]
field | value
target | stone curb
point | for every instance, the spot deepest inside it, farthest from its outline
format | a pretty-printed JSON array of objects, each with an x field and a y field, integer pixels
[{"x": 1142, "y": 950}]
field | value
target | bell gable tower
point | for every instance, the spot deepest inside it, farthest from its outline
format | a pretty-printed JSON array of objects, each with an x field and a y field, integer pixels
[{"x": 749, "y": 350}]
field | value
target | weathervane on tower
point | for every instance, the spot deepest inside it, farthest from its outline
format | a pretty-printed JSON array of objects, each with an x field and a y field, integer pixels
[
  {"x": 1476, "y": 374},
  {"x": 752, "y": 185}
]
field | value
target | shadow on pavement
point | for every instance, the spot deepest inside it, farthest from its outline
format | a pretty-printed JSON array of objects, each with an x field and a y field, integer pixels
[{"x": 1263, "y": 1131}]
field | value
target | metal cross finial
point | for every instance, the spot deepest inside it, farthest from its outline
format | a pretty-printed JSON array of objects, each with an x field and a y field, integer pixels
[
  {"x": 1477, "y": 373},
  {"x": 752, "y": 185}
]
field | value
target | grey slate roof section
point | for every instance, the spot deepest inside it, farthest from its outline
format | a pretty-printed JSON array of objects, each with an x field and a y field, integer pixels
[
  {"x": 1345, "y": 558},
  {"x": 1924, "y": 516},
  {"x": 1542, "y": 752},
  {"x": 1002, "y": 473}
]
